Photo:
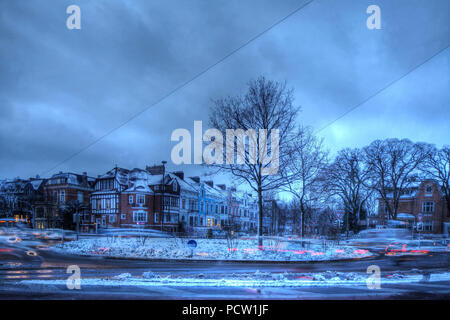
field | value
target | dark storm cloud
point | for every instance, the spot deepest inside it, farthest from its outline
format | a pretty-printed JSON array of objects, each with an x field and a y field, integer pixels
[{"x": 61, "y": 89}]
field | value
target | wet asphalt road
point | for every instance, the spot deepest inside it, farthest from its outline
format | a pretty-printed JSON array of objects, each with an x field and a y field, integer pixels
[{"x": 31, "y": 259}]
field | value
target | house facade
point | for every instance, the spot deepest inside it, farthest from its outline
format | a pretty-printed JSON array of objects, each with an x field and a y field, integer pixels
[
  {"x": 422, "y": 206},
  {"x": 66, "y": 200}
]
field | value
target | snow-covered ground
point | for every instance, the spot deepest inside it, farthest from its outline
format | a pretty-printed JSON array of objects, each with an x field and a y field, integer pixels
[
  {"x": 209, "y": 249},
  {"x": 257, "y": 279}
]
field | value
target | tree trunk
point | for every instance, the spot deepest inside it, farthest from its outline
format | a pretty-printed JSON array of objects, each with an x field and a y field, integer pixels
[{"x": 260, "y": 219}]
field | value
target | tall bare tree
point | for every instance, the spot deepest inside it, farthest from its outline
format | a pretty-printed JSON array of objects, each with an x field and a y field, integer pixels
[
  {"x": 345, "y": 178},
  {"x": 393, "y": 164},
  {"x": 308, "y": 160},
  {"x": 267, "y": 105},
  {"x": 437, "y": 165}
]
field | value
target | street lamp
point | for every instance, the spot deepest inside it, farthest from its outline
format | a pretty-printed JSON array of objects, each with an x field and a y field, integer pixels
[{"x": 162, "y": 197}]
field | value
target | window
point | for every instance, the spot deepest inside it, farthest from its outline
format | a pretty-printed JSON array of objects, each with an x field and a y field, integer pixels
[
  {"x": 156, "y": 217},
  {"x": 123, "y": 216},
  {"x": 62, "y": 196},
  {"x": 139, "y": 216},
  {"x": 429, "y": 188},
  {"x": 112, "y": 218},
  {"x": 428, "y": 206},
  {"x": 80, "y": 196},
  {"x": 140, "y": 199},
  {"x": 428, "y": 226},
  {"x": 183, "y": 203},
  {"x": 175, "y": 187},
  {"x": 108, "y": 203},
  {"x": 130, "y": 199}
]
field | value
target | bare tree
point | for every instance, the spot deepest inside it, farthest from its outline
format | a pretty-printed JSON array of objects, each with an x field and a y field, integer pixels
[
  {"x": 267, "y": 105},
  {"x": 308, "y": 160},
  {"x": 437, "y": 165},
  {"x": 345, "y": 178},
  {"x": 393, "y": 164}
]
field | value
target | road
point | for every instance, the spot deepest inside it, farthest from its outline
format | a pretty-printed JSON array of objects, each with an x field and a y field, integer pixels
[{"x": 32, "y": 260}]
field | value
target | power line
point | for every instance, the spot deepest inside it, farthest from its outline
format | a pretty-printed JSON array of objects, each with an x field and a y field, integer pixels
[
  {"x": 179, "y": 86},
  {"x": 383, "y": 88}
]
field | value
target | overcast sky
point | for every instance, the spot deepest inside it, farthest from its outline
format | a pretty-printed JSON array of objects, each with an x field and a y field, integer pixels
[{"x": 61, "y": 89}]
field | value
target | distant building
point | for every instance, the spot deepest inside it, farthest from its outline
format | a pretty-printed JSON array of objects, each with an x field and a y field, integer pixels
[
  {"x": 424, "y": 198},
  {"x": 65, "y": 193}
]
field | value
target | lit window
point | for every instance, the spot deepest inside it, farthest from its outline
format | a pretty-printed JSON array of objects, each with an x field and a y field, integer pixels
[{"x": 130, "y": 199}]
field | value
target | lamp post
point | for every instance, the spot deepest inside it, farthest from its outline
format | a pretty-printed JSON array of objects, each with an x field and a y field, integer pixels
[{"x": 163, "y": 189}]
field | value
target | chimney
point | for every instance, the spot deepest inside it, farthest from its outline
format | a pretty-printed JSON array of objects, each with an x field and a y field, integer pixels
[
  {"x": 179, "y": 174},
  {"x": 210, "y": 183},
  {"x": 233, "y": 189},
  {"x": 154, "y": 170},
  {"x": 196, "y": 179},
  {"x": 85, "y": 173}
]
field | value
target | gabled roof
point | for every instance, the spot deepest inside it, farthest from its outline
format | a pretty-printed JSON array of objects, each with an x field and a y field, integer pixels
[
  {"x": 36, "y": 183},
  {"x": 121, "y": 175},
  {"x": 184, "y": 185}
]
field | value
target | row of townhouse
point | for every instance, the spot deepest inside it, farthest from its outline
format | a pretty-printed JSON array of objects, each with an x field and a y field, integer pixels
[{"x": 123, "y": 198}]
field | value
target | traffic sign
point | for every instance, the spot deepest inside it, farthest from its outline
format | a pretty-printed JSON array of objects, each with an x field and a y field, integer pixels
[
  {"x": 419, "y": 217},
  {"x": 419, "y": 226},
  {"x": 192, "y": 244},
  {"x": 338, "y": 214}
]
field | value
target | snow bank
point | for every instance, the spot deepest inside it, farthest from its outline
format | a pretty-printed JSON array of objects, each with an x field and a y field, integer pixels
[
  {"x": 331, "y": 279},
  {"x": 207, "y": 249}
]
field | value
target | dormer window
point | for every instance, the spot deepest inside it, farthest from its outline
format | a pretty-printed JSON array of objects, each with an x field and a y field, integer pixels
[
  {"x": 429, "y": 188},
  {"x": 175, "y": 187}
]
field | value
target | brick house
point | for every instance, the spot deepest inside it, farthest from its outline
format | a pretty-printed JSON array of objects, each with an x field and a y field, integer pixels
[
  {"x": 425, "y": 198},
  {"x": 133, "y": 198},
  {"x": 106, "y": 197},
  {"x": 64, "y": 192}
]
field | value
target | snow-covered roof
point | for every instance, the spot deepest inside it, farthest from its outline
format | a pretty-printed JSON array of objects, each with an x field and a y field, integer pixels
[
  {"x": 36, "y": 183},
  {"x": 405, "y": 216},
  {"x": 120, "y": 174},
  {"x": 184, "y": 185},
  {"x": 139, "y": 180}
]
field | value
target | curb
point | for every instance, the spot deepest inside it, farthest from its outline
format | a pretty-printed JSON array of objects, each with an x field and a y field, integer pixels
[{"x": 227, "y": 261}]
